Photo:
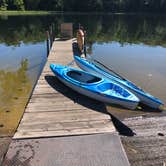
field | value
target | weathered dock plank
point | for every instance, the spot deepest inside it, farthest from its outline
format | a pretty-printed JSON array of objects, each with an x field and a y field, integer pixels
[
  {"x": 56, "y": 110},
  {"x": 65, "y": 116},
  {"x": 63, "y": 132}
]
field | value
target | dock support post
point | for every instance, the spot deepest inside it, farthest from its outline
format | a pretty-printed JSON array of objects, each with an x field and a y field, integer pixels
[
  {"x": 84, "y": 43},
  {"x": 47, "y": 42},
  {"x": 51, "y": 36},
  {"x": 53, "y": 32}
]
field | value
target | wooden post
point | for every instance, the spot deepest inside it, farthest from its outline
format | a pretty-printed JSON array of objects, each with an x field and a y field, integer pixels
[
  {"x": 47, "y": 42},
  {"x": 84, "y": 43},
  {"x": 53, "y": 31},
  {"x": 51, "y": 36}
]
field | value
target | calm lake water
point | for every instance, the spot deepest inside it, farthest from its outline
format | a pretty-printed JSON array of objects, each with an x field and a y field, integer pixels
[{"x": 132, "y": 45}]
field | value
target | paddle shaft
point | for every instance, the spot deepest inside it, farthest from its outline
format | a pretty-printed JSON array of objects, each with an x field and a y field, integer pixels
[
  {"x": 109, "y": 69},
  {"x": 85, "y": 43},
  {"x": 98, "y": 61}
]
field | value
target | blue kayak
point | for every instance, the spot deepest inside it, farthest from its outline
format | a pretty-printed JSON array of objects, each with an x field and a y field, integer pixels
[
  {"x": 144, "y": 97},
  {"x": 95, "y": 87}
]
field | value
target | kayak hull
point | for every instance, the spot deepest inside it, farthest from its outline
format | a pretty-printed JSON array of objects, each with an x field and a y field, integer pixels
[
  {"x": 95, "y": 90},
  {"x": 144, "y": 97}
]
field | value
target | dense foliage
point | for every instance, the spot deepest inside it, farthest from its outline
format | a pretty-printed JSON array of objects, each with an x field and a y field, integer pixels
[
  {"x": 86, "y": 5},
  {"x": 147, "y": 29}
]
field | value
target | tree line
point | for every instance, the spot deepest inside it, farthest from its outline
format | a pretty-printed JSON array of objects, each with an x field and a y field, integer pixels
[
  {"x": 86, "y": 5},
  {"x": 147, "y": 29}
]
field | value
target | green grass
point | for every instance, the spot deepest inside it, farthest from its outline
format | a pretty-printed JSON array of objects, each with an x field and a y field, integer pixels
[{"x": 27, "y": 12}]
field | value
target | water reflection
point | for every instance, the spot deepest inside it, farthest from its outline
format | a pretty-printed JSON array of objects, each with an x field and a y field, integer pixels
[
  {"x": 15, "y": 88},
  {"x": 22, "y": 56},
  {"x": 142, "y": 64},
  {"x": 133, "y": 45},
  {"x": 147, "y": 29}
]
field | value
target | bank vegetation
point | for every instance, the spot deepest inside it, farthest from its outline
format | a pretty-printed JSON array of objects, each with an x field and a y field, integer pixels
[{"x": 86, "y": 5}]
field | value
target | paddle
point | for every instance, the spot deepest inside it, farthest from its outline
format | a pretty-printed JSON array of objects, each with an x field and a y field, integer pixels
[
  {"x": 110, "y": 70},
  {"x": 116, "y": 74},
  {"x": 85, "y": 43},
  {"x": 85, "y": 53}
]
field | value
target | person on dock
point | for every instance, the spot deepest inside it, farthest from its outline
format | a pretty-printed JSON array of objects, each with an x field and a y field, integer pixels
[{"x": 80, "y": 38}]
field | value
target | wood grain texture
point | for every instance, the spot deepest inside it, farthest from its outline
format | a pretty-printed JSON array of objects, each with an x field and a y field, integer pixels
[{"x": 56, "y": 110}]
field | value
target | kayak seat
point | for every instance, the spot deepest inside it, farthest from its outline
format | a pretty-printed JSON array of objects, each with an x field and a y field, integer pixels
[
  {"x": 73, "y": 73},
  {"x": 95, "y": 79}
]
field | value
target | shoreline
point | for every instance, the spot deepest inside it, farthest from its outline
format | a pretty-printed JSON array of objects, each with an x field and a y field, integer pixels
[
  {"x": 147, "y": 147},
  {"x": 28, "y": 12},
  {"x": 13, "y": 13}
]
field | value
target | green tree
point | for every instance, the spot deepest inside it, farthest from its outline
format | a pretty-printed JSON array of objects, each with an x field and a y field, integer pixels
[
  {"x": 19, "y": 4},
  {"x": 95, "y": 5},
  {"x": 51, "y": 5},
  {"x": 86, "y": 5},
  {"x": 3, "y": 4},
  {"x": 69, "y": 6},
  {"x": 32, "y": 4}
]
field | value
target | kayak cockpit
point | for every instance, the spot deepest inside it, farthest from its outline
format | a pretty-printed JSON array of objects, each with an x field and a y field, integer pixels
[
  {"x": 112, "y": 88},
  {"x": 83, "y": 77}
]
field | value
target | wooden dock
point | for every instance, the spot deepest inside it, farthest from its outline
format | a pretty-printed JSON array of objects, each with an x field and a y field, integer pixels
[{"x": 55, "y": 110}]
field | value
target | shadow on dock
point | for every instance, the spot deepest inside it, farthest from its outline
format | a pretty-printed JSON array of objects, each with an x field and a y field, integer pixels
[
  {"x": 75, "y": 48},
  {"x": 88, "y": 103},
  {"x": 76, "y": 97},
  {"x": 63, "y": 39}
]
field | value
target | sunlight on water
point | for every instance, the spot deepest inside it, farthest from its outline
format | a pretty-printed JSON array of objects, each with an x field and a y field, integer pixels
[
  {"x": 20, "y": 66},
  {"x": 132, "y": 45},
  {"x": 142, "y": 64}
]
